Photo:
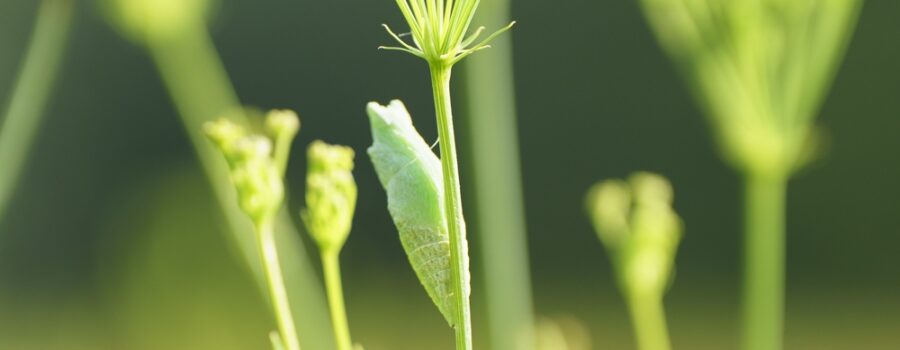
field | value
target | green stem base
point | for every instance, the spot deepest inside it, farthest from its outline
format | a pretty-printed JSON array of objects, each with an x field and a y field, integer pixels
[
  {"x": 764, "y": 263},
  {"x": 648, "y": 319},
  {"x": 278, "y": 296},
  {"x": 332, "y": 269}
]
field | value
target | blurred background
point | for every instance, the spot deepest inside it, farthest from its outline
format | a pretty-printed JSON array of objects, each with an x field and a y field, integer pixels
[{"x": 111, "y": 240}]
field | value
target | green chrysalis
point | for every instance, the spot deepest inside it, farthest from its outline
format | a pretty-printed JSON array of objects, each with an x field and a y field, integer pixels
[{"x": 411, "y": 174}]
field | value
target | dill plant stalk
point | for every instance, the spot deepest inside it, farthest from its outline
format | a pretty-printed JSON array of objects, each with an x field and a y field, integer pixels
[
  {"x": 761, "y": 69},
  {"x": 29, "y": 97},
  {"x": 439, "y": 31},
  {"x": 175, "y": 36},
  {"x": 497, "y": 183}
]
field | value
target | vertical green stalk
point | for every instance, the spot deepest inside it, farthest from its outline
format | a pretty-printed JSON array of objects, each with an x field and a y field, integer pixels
[
  {"x": 278, "y": 296},
  {"x": 497, "y": 182},
  {"x": 201, "y": 90},
  {"x": 765, "y": 262},
  {"x": 456, "y": 226},
  {"x": 649, "y": 321},
  {"x": 332, "y": 269},
  {"x": 29, "y": 97}
]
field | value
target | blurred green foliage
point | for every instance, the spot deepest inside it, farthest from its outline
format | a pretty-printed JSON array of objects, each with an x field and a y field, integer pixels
[{"x": 110, "y": 241}]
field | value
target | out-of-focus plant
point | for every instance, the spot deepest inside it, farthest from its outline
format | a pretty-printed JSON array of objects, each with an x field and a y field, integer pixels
[
  {"x": 257, "y": 171},
  {"x": 640, "y": 230},
  {"x": 440, "y": 36},
  {"x": 29, "y": 97},
  {"x": 497, "y": 183},
  {"x": 761, "y": 69},
  {"x": 156, "y": 21},
  {"x": 174, "y": 34},
  {"x": 561, "y": 333},
  {"x": 330, "y": 203}
]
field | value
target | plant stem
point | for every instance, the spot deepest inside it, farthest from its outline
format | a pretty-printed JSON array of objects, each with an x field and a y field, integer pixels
[
  {"x": 268, "y": 252},
  {"x": 497, "y": 181},
  {"x": 764, "y": 262},
  {"x": 331, "y": 265},
  {"x": 649, "y": 321},
  {"x": 29, "y": 97},
  {"x": 198, "y": 84},
  {"x": 456, "y": 226}
]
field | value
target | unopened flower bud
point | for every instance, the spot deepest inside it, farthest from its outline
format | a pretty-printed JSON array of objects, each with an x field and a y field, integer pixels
[
  {"x": 252, "y": 148},
  {"x": 609, "y": 204},
  {"x": 254, "y": 172},
  {"x": 224, "y": 133},
  {"x": 330, "y": 195},
  {"x": 636, "y": 223},
  {"x": 649, "y": 188},
  {"x": 282, "y": 123}
]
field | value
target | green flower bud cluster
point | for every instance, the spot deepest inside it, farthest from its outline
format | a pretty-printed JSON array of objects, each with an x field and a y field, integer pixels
[
  {"x": 330, "y": 195},
  {"x": 637, "y": 225},
  {"x": 257, "y": 170}
]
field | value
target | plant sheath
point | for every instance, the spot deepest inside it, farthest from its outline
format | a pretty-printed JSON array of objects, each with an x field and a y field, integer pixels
[{"x": 456, "y": 227}]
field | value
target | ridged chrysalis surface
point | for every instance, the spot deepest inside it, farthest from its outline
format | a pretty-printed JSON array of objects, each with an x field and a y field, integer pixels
[{"x": 411, "y": 174}]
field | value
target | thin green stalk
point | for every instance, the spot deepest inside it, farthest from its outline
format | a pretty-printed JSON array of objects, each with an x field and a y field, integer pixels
[
  {"x": 649, "y": 321},
  {"x": 331, "y": 265},
  {"x": 497, "y": 183},
  {"x": 278, "y": 296},
  {"x": 29, "y": 98},
  {"x": 765, "y": 267},
  {"x": 456, "y": 226},
  {"x": 198, "y": 84},
  {"x": 201, "y": 90}
]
